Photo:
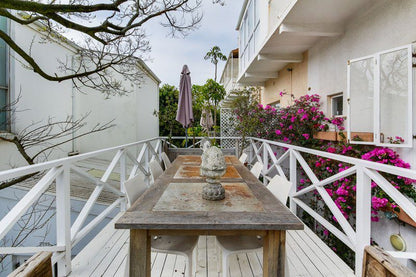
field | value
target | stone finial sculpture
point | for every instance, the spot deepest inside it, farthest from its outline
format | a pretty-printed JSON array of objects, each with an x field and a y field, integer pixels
[
  {"x": 205, "y": 144},
  {"x": 213, "y": 167}
]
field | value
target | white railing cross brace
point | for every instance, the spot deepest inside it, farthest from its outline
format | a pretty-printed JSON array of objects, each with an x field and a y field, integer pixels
[{"x": 21, "y": 207}]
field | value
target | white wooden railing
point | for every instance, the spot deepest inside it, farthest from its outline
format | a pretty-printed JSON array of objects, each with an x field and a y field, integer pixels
[
  {"x": 285, "y": 164},
  {"x": 59, "y": 171},
  {"x": 365, "y": 171}
]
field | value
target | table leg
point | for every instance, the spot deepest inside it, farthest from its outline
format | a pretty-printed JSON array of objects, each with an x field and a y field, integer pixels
[
  {"x": 139, "y": 253},
  {"x": 274, "y": 254}
]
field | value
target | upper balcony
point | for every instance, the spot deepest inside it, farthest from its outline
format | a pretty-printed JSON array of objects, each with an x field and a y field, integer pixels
[{"x": 277, "y": 33}]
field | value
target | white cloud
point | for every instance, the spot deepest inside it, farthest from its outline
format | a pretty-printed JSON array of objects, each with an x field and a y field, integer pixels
[{"x": 168, "y": 54}]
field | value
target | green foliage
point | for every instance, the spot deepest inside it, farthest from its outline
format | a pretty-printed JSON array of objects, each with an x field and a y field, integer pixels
[
  {"x": 215, "y": 55},
  {"x": 243, "y": 105},
  {"x": 168, "y": 106},
  {"x": 213, "y": 92}
]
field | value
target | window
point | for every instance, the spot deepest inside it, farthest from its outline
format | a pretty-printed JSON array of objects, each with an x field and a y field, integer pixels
[
  {"x": 380, "y": 89},
  {"x": 336, "y": 103},
  {"x": 276, "y": 105},
  {"x": 3, "y": 77},
  {"x": 249, "y": 33}
]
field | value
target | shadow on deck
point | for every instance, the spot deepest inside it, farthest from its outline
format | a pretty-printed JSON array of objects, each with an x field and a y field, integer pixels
[{"x": 106, "y": 255}]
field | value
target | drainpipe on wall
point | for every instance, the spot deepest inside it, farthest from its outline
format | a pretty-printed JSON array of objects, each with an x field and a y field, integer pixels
[{"x": 73, "y": 150}]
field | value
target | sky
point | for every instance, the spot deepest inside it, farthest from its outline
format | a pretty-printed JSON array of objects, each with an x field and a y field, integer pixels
[{"x": 168, "y": 54}]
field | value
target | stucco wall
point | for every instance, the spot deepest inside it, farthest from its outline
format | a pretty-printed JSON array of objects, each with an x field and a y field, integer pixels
[
  {"x": 387, "y": 24},
  {"x": 41, "y": 99},
  {"x": 296, "y": 84},
  {"x": 132, "y": 114}
]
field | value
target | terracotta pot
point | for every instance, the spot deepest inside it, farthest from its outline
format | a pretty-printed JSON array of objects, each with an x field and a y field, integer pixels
[{"x": 402, "y": 216}]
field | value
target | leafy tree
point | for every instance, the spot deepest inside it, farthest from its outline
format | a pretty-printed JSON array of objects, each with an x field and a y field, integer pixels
[
  {"x": 111, "y": 35},
  {"x": 168, "y": 106},
  {"x": 213, "y": 93},
  {"x": 244, "y": 105},
  {"x": 215, "y": 55}
]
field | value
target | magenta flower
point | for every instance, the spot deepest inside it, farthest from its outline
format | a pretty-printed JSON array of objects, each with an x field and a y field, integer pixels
[
  {"x": 331, "y": 150},
  {"x": 278, "y": 132},
  {"x": 306, "y": 136}
]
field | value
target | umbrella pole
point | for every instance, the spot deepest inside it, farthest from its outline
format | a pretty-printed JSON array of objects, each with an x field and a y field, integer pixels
[
  {"x": 186, "y": 137},
  {"x": 193, "y": 133}
]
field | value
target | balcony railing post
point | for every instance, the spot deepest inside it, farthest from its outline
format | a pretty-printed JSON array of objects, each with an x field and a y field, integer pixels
[
  {"x": 251, "y": 150},
  {"x": 363, "y": 221},
  {"x": 146, "y": 165},
  {"x": 123, "y": 179},
  {"x": 63, "y": 219},
  {"x": 265, "y": 162},
  {"x": 293, "y": 180},
  {"x": 160, "y": 150}
]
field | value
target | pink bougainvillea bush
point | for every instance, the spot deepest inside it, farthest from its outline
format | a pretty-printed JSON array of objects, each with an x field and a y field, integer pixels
[{"x": 296, "y": 124}]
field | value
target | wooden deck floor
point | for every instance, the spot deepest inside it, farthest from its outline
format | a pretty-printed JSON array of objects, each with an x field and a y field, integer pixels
[{"x": 106, "y": 255}]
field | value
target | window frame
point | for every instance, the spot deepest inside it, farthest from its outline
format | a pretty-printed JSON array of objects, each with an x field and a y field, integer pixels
[
  {"x": 248, "y": 37},
  {"x": 376, "y": 99},
  {"x": 331, "y": 98},
  {"x": 6, "y": 88}
]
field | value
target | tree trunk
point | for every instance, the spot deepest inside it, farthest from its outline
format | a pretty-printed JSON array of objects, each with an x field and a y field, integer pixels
[
  {"x": 215, "y": 120},
  {"x": 215, "y": 72}
]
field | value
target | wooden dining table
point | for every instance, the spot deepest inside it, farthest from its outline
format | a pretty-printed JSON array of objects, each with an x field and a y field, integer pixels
[{"x": 174, "y": 206}]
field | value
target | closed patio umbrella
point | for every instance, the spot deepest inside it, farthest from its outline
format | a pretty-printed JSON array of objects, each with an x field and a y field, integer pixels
[
  {"x": 185, "y": 115},
  {"x": 206, "y": 119}
]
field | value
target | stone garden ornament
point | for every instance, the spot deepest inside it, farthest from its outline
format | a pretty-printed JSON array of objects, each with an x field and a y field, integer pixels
[{"x": 213, "y": 167}]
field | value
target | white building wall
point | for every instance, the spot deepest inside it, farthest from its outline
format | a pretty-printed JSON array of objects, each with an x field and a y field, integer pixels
[
  {"x": 41, "y": 99},
  {"x": 387, "y": 24},
  {"x": 132, "y": 114}
]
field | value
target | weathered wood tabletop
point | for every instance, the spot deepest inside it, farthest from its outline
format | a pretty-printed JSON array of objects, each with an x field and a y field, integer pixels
[{"x": 174, "y": 205}]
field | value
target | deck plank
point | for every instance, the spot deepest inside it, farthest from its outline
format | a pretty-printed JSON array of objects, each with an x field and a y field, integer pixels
[
  {"x": 179, "y": 270},
  {"x": 234, "y": 268},
  {"x": 255, "y": 264},
  {"x": 244, "y": 264},
  {"x": 201, "y": 260},
  {"x": 106, "y": 255},
  {"x": 212, "y": 257},
  {"x": 157, "y": 269}
]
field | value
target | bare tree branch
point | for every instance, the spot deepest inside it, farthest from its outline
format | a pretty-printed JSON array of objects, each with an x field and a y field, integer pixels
[
  {"x": 113, "y": 35},
  {"x": 39, "y": 138}
]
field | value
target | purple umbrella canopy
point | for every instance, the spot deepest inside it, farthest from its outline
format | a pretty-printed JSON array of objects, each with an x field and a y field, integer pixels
[{"x": 185, "y": 114}]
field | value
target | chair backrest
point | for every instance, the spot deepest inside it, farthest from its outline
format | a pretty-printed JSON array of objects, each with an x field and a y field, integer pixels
[
  {"x": 155, "y": 169},
  {"x": 256, "y": 169},
  {"x": 134, "y": 188},
  {"x": 280, "y": 187},
  {"x": 166, "y": 160},
  {"x": 243, "y": 158}
]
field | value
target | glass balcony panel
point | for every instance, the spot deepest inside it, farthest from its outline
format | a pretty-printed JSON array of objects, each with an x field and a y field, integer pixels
[
  {"x": 394, "y": 95},
  {"x": 362, "y": 96}
]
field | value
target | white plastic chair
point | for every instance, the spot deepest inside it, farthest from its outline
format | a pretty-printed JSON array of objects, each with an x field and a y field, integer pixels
[
  {"x": 179, "y": 245},
  {"x": 155, "y": 170},
  {"x": 280, "y": 188},
  {"x": 243, "y": 158},
  {"x": 166, "y": 160},
  {"x": 256, "y": 169}
]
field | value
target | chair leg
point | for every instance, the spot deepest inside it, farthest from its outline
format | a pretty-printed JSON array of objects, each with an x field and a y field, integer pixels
[
  {"x": 190, "y": 262},
  {"x": 225, "y": 263}
]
